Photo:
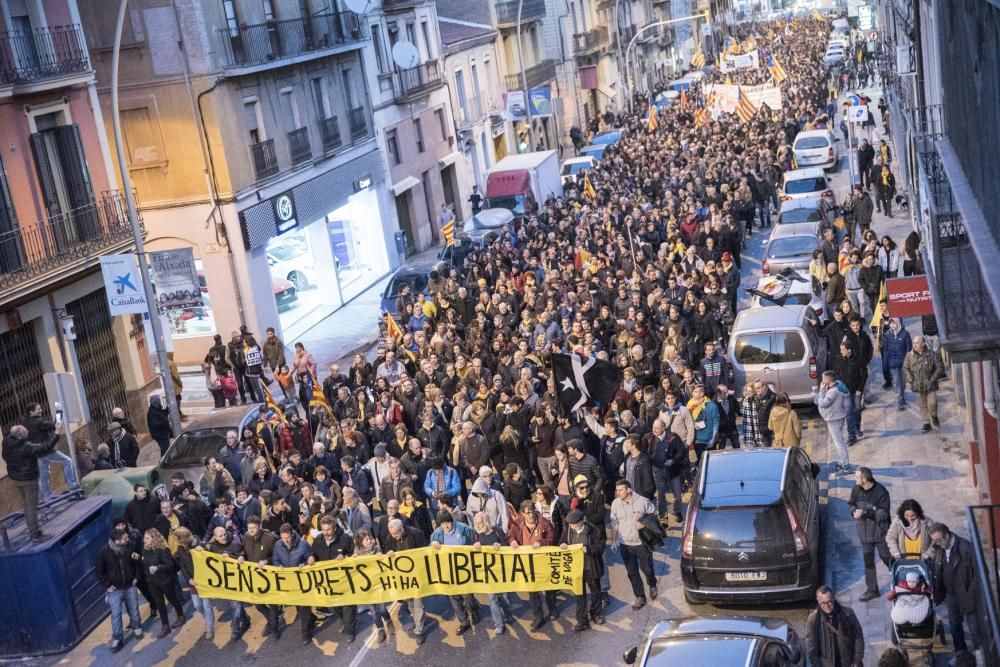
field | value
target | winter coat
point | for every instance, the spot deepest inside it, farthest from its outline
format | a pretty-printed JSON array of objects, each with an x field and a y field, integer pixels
[
  {"x": 293, "y": 556},
  {"x": 116, "y": 567},
  {"x": 895, "y": 347},
  {"x": 140, "y": 513},
  {"x": 465, "y": 533},
  {"x": 955, "y": 579},
  {"x": 452, "y": 484},
  {"x": 493, "y": 504},
  {"x": 544, "y": 533},
  {"x": 642, "y": 475},
  {"x": 851, "y": 372},
  {"x": 896, "y": 537},
  {"x": 833, "y": 402},
  {"x": 922, "y": 370},
  {"x": 360, "y": 480},
  {"x": 785, "y": 425},
  {"x": 588, "y": 467},
  {"x": 823, "y": 645},
  {"x": 874, "y": 503},
  {"x": 864, "y": 207},
  {"x": 166, "y": 566},
  {"x": 158, "y": 423},
  {"x": 709, "y": 416},
  {"x": 593, "y": 543},
  {"x": 21, "y": 456}
]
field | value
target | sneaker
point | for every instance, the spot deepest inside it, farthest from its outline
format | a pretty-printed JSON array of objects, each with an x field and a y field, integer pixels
[
  {"x": 463, "y": 628},
  {"x": 136, "y": 633},
  {"x": 580, "y": 627},
  {"x": 935, "y": 422},
  {"x": 164, "y": 631},
  {"x": 868, "y": 595},
  {"x": 887, "y": 385},
  {"x": 537, "y": 623},
  {"x": 901, "y": 408},
  {"x": 420, "y": 637},
  {"x": 502, "y": 630},
  {"x": 553, "y": 615},
  {"x": 597, "y": 620},
  {"x": 115, "y": 645},
  {"x": 209, "y": 635},
  {"x": 925, "y": 428}
]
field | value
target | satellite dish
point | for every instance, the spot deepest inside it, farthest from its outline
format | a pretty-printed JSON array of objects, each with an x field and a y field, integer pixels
[
  {"x": 358, "y": 6},
  {"x": 405, "y": 55}
]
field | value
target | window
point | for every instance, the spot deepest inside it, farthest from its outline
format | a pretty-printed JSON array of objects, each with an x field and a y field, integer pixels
[
  {"x": 753, "y": 349},
  {"x": 439, "y": 114},
  {"x": 377, "y": 44},
  {"x": 290, "y": 110},
  {"x": 349, "y": 96},
  {"x": 463, "y": 101},
  {"x": 475, "y": 80},
  {"x": 251, "y": 114},
  {"x": 392, "y": 146},
  {"x": 64, "y": 177},
  {"x": 232, "y": 19},
  {"x": 143, "y": 142},
  {"x": 268, "y": 11},
  {"x": 418, "y": 133},
  {"x": 411, "y": 34},
  {"x": 427, "y": 39},
  {"x": 787, "y": 347},
  {"x": 320, "y": 101}
]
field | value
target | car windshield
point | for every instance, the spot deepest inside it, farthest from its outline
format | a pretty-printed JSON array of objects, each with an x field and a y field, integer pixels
[
  {"x": 790, "y": 246},
  {"x": 812, "y": 142},
  {"x": 417, "y": 283},
  {"x": 514, "y": 203},
  {"x": 796, "y": 215},
  {"x": 191, "y": 447},
  {"x": 803, "y": 185},
  {"x": 699, "y": 651}
]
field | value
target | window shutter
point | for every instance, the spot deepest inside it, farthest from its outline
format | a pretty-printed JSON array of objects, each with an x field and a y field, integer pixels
[
  {"x": 74, "y": 165},
  {"x": 45, "y": 177},
  {"x": 11, "y": 255}
]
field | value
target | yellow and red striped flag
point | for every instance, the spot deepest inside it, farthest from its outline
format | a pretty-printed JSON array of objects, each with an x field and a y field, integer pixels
[
  {"x": 777, "y": 71},
  {"x": 653, "y": 122},
  {"x": 318, "y": 399},
  {"x": 272, "y": 405},
  {"x": 588, "y": 188},
  {"x": 698, "y": 59},
  {"x": 392, "y": 328},
  {"x": 744, "y": 107},
  {"x": 448, "y": 231}
]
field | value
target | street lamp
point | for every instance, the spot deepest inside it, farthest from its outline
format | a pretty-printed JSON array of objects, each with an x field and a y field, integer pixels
[
  {"x": 524, "y": 78},
  {"x": 140, "y": 250},
  {"x": 649, "y": 26}
]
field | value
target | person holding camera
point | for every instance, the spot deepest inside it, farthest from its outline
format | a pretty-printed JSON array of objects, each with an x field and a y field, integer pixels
[
  {"x": 41, "y": 430},
  {"x": 24, "y": 460}
]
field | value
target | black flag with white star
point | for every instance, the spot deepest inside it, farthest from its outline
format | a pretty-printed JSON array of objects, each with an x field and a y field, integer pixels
[{"x": 584, "y": 381}]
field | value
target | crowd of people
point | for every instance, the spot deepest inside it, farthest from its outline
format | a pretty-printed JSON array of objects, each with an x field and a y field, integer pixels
[{"x": 454, "y": 433}]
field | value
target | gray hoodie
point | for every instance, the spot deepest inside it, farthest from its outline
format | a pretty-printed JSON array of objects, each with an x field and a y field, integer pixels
[{"x": 833, "y": 402}]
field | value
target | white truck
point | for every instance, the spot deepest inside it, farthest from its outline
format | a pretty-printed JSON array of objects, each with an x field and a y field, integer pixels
[{"x": 523, "y": 179}]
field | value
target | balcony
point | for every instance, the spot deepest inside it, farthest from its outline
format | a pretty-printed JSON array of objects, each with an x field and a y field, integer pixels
[
  {"x": 298, "y": 145},
  {"x": 64, "y": 240},
  {"x": 44, "y": 53},
  {"x": 531, "y": 10},
  {"x": 329, "y": 133},
  {"x": 627, "y": 33},
  {"x": 537, "y": 75},
  {"x": 265, "y": 160},
  {"x": 275, "y": 41},
  {"x": 359, "y": 123},
  {"x": 471, "y": 111},
  {"x": 416, "y": 81},
  {"x": 400, "y": 5},
  {"x": 586, "y": 43}
]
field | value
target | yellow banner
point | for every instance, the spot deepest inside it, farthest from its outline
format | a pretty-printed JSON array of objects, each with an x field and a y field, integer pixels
[{"x": 448, "y": 570}]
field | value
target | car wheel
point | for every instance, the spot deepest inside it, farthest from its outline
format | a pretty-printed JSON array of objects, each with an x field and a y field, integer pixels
[{"x": 298, "y": 279}]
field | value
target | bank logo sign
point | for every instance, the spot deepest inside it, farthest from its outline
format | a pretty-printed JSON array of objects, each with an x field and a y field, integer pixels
[{"x": 123, "y": 285}]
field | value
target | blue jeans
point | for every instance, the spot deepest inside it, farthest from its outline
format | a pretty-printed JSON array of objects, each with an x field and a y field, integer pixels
[
  {"x": 665, "y": 483},
  {"x": 897, "y": 383},
  {"x": 499, "y": 610},
  {"x": 65, "y": 461},
  {"x": 764, "y": 212},
  {"x": 118, "y": 600},
  {"x": 206, "y": 608},
  {"x": 239, "y": 616},
  {"x": 854, "y": 416}
]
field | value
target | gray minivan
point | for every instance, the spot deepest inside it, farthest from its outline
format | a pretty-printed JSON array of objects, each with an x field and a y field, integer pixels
[{"x": 779, "y": 346}]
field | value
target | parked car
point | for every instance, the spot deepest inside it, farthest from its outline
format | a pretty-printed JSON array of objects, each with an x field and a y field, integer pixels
[
  {"x": 416, "y": 275},
  {"x": 293, "y": 262},
  {"x": 780, "y": 347},
  {"x": 815, "y": 148},
  {"x": 595, "y": 151},
  {"x": 752, "y": 530},
  {"x": 574, "y": 166},
  {"x": 608, "y": 137},
  {"x": 800, "y": 217},
  {"x": 806, "y": 183},
  {"x": 203, "y": 437},
  {"x": 285, "y": 295},
  {"x": 666, "y": 98},
  {"x": 833, "y": 57},
  {"x": 787, "y": 250},
  {"x": 747, "y": 641},
  {"x": 487, "y": 225}
]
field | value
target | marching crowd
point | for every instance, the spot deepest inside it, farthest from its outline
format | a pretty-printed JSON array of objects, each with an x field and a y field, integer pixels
[{"x": 455, "y": 434}]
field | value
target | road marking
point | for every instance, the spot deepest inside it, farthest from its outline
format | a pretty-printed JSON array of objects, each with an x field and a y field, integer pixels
[{"x": 370, "y": 642}]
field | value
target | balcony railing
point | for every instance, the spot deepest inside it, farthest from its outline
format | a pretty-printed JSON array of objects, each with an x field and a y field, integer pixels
[
  {"x": 627, "y": 33},
  {"x": 399, "y": 5},
  {"x": 265, "y": 160},
  {"x": 531, "y": 10},
  {"x": 359, "y": 123},
  {"x": 585, "y": 43},
  {"x": 471, "y": 112},
  {"x": 264, "y": 43},
  {"x": 537, "y": 75},
  {"x": 298, "y": 145},
  {"x": 329, "y": 132},
  {"x": 41, "y": 54},
  {"x": 423, "y": 78},
  {"x": 85, "y": 232}
]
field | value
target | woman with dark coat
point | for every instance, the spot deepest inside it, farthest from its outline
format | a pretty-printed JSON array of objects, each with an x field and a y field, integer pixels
[
  {"x": 158, "y": 422},
  {"x": 160, "y": 570}
]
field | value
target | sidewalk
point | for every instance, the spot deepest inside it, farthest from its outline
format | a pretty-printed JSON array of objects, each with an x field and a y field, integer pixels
[{"x": 932, "y": 468}]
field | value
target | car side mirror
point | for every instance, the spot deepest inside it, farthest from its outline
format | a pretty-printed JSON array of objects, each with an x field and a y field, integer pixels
[
  {"x": 814, "y": 469},
  {"x": 630, "y": 655}
]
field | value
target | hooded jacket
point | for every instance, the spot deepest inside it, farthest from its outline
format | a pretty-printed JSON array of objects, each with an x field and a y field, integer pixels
[
  {"x": 833, "y": 402},
  {"x": 492, "y": 503}
]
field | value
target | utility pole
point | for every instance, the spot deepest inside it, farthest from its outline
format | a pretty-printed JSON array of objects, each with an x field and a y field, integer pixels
[{"x": 140, "y": 249}]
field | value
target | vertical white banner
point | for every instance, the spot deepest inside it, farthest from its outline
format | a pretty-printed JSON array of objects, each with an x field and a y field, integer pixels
[{"x": 123, "y": 284}]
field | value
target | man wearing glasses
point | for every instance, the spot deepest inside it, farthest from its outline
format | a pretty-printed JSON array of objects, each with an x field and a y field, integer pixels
[{"x": 833, "y": 635}]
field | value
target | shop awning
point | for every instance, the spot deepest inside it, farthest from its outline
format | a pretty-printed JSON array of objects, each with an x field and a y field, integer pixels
[
  {"x": 404, "y": 185},
  {"x": 449, "y": 159}
]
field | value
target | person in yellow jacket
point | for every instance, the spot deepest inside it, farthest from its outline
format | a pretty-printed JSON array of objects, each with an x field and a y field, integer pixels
[{"x": 784, "y": 423}]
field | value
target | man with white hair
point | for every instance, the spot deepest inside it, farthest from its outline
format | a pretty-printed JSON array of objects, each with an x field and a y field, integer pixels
[{"x": 922, "y": 369}]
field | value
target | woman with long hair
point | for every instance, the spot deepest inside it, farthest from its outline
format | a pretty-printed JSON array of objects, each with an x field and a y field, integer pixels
[
  {"x": 909, "y": 532},
  {"x": 160, "y": 570}
]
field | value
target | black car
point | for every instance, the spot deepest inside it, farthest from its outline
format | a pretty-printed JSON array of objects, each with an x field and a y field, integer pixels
[
  {"x": 747, "y": 641},
  {"x": 752, "y": 531}
]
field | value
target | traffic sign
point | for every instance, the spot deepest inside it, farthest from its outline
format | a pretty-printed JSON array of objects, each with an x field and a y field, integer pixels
[{"x": 857, "y": 114}]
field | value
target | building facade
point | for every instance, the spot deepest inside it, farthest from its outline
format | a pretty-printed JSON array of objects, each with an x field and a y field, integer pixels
[{"x": 253, "y": 144}]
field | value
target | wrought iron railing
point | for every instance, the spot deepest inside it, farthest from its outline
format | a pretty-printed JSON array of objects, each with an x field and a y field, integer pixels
[
  {"x": 537, "y": 75},
  {"x": 43, "y": 53},
  {"x": 359, "y": 122},
  {"x": 84, "y": 232},
  {"x": 265, "y": 160},
  {"x": 984, "y": 533},
  {"x": 409, "y": 82},
  {"x": 329, "y": 132},
  {"x": 531, "y": 10},
  {"x": 263, "y": 43},
  {"x": 587, "y": 42},
  {"x": 398, "y": 5},
  {"x": 298, "y": 145}
]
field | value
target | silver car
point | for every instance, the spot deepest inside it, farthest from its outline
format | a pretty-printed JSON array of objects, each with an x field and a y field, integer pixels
[
  {"x": 487, "y": 225},
  {"x": 788, "y": 251},
  {"x": 780, "y": 347}
]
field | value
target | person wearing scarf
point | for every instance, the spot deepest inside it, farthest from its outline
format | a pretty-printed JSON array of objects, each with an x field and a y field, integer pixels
[{"x": 705, "y": 414}]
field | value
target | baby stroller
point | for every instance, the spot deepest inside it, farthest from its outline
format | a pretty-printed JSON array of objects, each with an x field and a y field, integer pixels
[{"x": 913, "y": 620}]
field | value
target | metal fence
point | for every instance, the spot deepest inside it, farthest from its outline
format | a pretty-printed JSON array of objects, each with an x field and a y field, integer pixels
[
  {"x": 265, "y": 159},
  {"x": 984, "y": 532},
  {"x": 27, "y": 56},
  {"x": 262, "y": 43},
  {"x": 409, "y": 82}
]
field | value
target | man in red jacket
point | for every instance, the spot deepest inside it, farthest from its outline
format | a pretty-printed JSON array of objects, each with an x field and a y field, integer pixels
[{"x": 531, "y": 529}]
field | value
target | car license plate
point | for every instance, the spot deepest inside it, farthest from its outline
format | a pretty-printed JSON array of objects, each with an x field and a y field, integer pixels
[{"x": 746, "y": 576}]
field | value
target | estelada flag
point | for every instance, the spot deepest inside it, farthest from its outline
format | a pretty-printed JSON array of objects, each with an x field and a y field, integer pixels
[
  {"x": 744, "y": 107},
  {"x": 777, "y": 71},
  {"x": 588, "y": 187},
  {"x": 584, "y": 381},
  {"x": 448, "y": 231}
]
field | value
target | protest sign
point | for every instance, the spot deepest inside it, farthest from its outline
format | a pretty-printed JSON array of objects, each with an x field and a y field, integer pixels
[
  {"x": 448, "y": 570},
  {"x": 764, "y": 95}
]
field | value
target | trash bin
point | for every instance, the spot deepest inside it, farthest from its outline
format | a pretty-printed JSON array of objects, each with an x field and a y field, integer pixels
[{"x": 401, "y": 245}]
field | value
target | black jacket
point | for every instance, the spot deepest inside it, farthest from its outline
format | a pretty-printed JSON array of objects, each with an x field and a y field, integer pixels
[
  {"x": 642, "y": 476},
  {"x": 588, "y": 467},
  {"x": 125, "y": 450},
  {"x": 166, "y": 566},
  {"x": 823, "y": 645},
  {"x": 114, "y": 568},
  {"x": 140, "y": 513},
  {"x": 593, "y": 543},
  {"x": 21, "y": 456},
  {"x": 411, "y": 539},
  {"x": 158, "y": 422},
  {"x": 852, "y": 371},
  {"x": 874, "y": 502},
  {"x": 955, "y": 578},
  {"x": 341, "y": 545}
]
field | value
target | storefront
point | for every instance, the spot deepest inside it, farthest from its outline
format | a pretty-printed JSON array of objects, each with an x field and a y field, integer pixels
[{"x": 322, "y": 242}]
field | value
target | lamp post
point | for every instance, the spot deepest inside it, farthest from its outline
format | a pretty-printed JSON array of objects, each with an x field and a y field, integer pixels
[
  {"x": 649, "y": 26},
  {"x": 140, "y": 251},
  {"x": 524, "y": 79}
]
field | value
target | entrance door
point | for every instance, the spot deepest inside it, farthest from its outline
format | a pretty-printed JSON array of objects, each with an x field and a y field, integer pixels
[
  {"x": 403, "y": 217},
  {"x": 449, "y": 184}
]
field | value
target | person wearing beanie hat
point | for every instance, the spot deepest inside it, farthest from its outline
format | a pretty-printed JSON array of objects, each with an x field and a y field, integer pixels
[
  {"x": 483, "y": 498},
  {"x": 580, "y": 531},
  {"x": 455, "y": 533},
  {"x": 379, "y": 469}
]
